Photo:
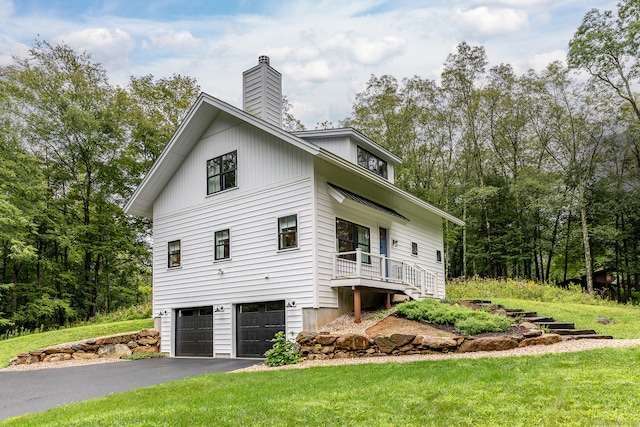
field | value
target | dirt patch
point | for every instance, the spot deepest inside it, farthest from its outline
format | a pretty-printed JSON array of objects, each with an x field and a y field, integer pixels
[{"x": 399, "y": 325}]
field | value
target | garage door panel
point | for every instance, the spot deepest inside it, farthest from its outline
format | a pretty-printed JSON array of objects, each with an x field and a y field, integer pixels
[
  {"x": 257, "y": 323},
  {"x": 194, "y": 332}
]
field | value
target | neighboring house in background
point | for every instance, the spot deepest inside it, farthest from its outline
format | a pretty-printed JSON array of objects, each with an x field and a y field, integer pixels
[{"x": 257, "y": 230}]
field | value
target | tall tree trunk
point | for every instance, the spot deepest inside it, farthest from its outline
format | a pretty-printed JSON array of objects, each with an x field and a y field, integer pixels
[
  {"x": 553, "y": 244},
  {"x": 566, "y": 248},
  {"x": 585, "y": 238}
]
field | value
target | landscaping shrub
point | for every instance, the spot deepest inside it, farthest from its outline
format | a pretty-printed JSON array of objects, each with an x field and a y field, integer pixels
[
  {"x": 283, "y": 352},
  {"x": 465, "y": 320}
]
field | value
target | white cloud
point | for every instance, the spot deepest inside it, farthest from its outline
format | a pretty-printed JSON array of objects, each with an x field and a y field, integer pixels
[
  {"x": 106, "y": 45},
  {"x": 484, "y": 22},
  {"x": 365, "y": 50},
  {"x": 539, "y": 62},
  {"x": 173, "y": 40},
  {"x": 315, "y": 71}
]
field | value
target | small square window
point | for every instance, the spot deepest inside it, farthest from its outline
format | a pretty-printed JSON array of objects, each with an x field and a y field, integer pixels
[
  {"x": 222, "y": 245},
  {"x": 174, "y": 254},
  {"x": 438, "y": 256},
  {"x": 288, "y": 232},
  {"x": 414, "y": 248}
]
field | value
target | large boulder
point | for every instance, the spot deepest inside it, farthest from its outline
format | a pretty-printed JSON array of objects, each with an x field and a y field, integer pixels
[
  {"x": 545, "y": 339},
  {"x": 443, "y": 344},
  {"x": 115, "y": 351},
  {"x": 353, "y": 342},
  {"x": 499, "y": 343},
  {"x": 386, "y": 344}
]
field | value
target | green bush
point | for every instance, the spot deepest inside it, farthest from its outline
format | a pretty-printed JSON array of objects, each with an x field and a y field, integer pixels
[
  {"x": 465, "y": 320},
  {"x": 283, "y": 352}
]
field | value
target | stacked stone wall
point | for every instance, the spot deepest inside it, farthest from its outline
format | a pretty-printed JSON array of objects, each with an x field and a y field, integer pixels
[
  {"x": 314, "y": 345},
  {"x": 112, "y": 346}
]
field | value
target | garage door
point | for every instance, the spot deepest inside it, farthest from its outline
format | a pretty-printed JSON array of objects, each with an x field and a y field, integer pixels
[
  {"x": 194, "y": 332},
  {"x": 257, "y": 323}
]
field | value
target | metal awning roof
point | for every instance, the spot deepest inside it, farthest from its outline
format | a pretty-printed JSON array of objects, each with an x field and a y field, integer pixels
[{"x": 369, "y": 203}]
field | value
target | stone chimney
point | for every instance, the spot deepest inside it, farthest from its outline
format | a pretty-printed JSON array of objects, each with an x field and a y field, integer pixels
[{"x": 262, "y": 92}]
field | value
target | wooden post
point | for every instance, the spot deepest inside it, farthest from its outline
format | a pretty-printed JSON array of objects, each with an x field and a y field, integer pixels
[
  {"x": 387, "y": 301},
  {"x": 356, "y": 304}
]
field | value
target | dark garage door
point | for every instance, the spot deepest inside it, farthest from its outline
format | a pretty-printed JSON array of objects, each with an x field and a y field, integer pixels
[
  {"x": 194, "y": 332},
  {"x": 257, "y": 323}
]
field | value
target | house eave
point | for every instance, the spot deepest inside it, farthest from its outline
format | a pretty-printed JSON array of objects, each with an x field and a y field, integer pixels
[{"x": 342, "y": 163}]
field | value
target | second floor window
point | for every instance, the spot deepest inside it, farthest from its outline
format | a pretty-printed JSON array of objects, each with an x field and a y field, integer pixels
[
  {"x": 372, "y": 162},
  {"x": 288, "y": 232},
  {"x": 221, "y": 172},
  {"x": 222, "y": 245},
  {"x": 174, "y": 254}
]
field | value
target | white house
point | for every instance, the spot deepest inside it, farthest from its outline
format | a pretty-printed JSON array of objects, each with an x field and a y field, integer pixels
[{"x": 257, "y": 230}]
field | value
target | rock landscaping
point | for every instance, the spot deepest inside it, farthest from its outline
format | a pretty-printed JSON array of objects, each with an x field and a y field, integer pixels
[
  {"x": 113, "y": 346},
  {"x": 400, "y": 341}
]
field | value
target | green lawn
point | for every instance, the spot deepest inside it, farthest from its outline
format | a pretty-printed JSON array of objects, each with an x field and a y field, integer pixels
[
  {"x": 11, "y": 347},
  {"x": 598, "y": 387},
  {"x": 626, "y": 319}
]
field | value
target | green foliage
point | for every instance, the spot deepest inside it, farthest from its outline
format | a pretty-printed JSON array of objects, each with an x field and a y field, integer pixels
[
  {"x": 465, "y": 320},
  {"x": 141, "y": 356},
  {"x": 283, "y": 352},
  {"x": 521, "y": 289},
  {"x": 597, "y": 387}
]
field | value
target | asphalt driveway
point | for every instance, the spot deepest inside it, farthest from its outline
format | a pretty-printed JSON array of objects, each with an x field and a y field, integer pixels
[{"x": 25, "y": 392}]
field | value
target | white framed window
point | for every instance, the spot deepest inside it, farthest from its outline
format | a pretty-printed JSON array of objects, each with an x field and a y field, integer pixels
[
  {"x": 174, "y": 254},
  {"x": 414, "y": 248},
  {"x": 438, "y": 255},
  {"x": 288, "y": 232},
  {"x": 222, "y": 245}
]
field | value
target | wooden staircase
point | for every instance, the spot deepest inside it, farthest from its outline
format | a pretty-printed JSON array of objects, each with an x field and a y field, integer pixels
[{"x": 567, "y": 330}]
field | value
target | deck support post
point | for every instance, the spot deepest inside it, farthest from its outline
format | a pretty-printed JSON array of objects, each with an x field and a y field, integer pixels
[
  {"x": 356, "y": 304},
  {"x": 387, "y": 301}
]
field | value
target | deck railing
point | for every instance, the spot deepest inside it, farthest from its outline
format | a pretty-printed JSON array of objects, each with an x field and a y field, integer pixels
[{"x": 359, "y": 264}]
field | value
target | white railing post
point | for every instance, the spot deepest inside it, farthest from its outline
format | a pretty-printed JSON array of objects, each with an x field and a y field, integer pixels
[
  {"x": 335, "y": 265},
  {"x": 423, "y": 283},
  {"x": 358, "y": 262}
]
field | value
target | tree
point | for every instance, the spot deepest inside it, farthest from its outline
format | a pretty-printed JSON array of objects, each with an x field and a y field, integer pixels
[{"x": 607, "y": 46}]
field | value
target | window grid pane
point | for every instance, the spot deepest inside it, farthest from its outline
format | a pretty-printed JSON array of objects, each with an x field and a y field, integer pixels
[
  {"x": 350, "y": 236},
  {"x": 288, "y": 232},
  {"x": 222, "y": 246},
  {"x": 174, "y": 254},
  {"x": 221, "y": 172}
]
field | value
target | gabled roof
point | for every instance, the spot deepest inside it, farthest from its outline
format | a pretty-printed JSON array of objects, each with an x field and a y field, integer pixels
[
  {"x": 363, "y": 140},
  {"x": 202, "y": 113},
  {"x": 204, "y": 110}
]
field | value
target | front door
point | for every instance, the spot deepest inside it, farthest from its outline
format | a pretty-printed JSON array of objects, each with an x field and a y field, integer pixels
[{"x": 384, "y": 251}]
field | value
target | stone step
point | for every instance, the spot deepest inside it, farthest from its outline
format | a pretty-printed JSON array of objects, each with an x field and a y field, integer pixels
[
  {"x": 574, "y": 332},
  {"x": 556, "y": 325},
  {"x": 525, "y": 314},
  {"x": 588, "y": 337},
  {"x": 479, "y": 301},
  {"x": 514, "y": 310},
  {"x": 538, "y": 319}
]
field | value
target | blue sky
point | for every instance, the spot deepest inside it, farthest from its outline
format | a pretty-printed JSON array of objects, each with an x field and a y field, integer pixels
[{"x": 325, "y": 49}]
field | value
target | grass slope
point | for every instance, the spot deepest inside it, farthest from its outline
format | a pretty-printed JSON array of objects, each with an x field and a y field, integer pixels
[
  {"x": 598, "y": 387},
  {"x": 11, "y": 347}
]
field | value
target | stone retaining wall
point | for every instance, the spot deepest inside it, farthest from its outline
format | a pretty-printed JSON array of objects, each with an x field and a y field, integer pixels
[
  {"x": 113, "y": 346},
  {"x": 314, "y": 345}
]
